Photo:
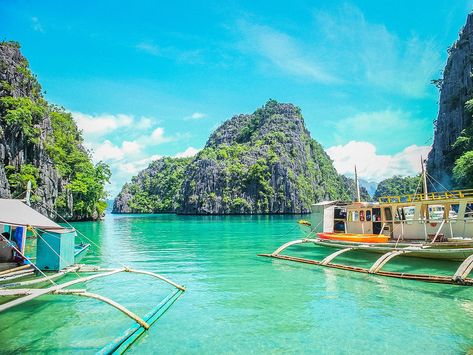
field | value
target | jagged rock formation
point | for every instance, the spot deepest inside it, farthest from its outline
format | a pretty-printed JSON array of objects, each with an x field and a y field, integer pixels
[
  {"x": 456, "y": 88},
  {"x": 155, "y": 189},
  {"x": 41, "y": 143},
  {"x": 265, "y": 162}
]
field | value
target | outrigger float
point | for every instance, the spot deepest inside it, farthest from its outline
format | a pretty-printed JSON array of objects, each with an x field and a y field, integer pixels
[
  {"x": 24, "y": 278},
  {"x": 431, "y": 225}
]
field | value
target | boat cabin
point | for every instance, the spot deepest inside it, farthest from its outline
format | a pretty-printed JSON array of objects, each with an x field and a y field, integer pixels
[
  {"x": 26, "y": 235},
  {"x": 445, "y": 215}
]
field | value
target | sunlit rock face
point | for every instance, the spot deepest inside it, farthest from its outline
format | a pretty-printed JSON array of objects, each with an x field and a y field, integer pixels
[{"x": 456, "y": 87}]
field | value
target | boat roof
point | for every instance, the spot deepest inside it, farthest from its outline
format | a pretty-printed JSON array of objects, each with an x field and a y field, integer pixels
[
  {"x": 326, "y": 203},
  {"x": 17, "y": 213}
]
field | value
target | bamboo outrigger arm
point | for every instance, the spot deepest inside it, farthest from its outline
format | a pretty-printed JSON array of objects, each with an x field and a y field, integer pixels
[
  {"x": 460, "y": 277},
  {"x": 332, "y": 256},
  {"x": 112, "y": 303},
  {"x": 383, "y": 260},
  {"x": 29, "y": 294},
  {"x": 42, "y": 279},
  {"x": 463, "y": 270},
  {"x": 294, "y": 242}
]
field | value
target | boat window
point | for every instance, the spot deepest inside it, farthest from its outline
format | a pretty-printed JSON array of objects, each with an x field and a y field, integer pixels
[
  {"x": 340, "y": 213},
  {"x": 436, "y": 212},
  {"x": 368, "y": 215},
  {"x": 469, "y": 210},
  {"x": 408, "y": 212},
  {"x": 356, "y": 216},
  {"x": 453, "y": 213},
  {"x": 376, "y": 214},
  {"x": 388, "y": 214},
  {"x": 353, "y": 216}
]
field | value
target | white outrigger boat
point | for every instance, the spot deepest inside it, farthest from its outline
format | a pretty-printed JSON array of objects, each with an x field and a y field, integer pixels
[
  {"x": 29, "y": 274},
  {"x": 432, "y": 225}
]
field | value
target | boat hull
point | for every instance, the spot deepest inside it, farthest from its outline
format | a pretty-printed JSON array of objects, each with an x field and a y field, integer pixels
[
  {"x": 352, "y": 237},
  {"x": 441, "y": 251}
]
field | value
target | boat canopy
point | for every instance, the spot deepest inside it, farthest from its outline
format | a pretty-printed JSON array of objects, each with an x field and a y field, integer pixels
[{"x": 17, "y": 213}]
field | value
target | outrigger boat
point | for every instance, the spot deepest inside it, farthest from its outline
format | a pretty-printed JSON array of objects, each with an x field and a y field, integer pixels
[
  {"x": 26, "y": 277},
  {"x": 432, "y": 225}
]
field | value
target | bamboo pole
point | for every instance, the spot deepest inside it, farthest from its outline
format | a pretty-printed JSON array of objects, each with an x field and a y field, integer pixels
[
  {"x": 112, "y": 303},
  {"x": 400, "y": 275},
  {"x": 22, "y": 267},
  {"x": 182, "y": 288}
]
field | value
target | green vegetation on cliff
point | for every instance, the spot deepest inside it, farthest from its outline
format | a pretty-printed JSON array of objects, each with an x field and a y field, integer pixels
[
  {"x": 462, "y": 153},
  {"x": 155, "y": 189},
  {"x": 265, "y": 162},
  {"x": 398, "y": 185},
  {"x": 42, "y": 144}
]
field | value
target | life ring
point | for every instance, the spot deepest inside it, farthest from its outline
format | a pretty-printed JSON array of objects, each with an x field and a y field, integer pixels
[
  {"x": 362, "y": 216},
  {"x": 433, "y": 224}
]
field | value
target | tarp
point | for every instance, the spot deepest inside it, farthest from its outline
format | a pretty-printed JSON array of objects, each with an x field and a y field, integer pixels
[{"x": 17, "y": 213}]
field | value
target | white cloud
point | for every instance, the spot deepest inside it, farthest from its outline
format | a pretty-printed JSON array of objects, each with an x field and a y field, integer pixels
[
  {"x": 196, "y": 116},
  {"x": 158, "y": 137},
  {"x": 101, "y": 124},
  {"x": 107, "y": 151},
  {"x": 284, "y": 52},
  {"x": 149, "y": 48},
  {"x": 372, "y": 166},
  {"x": 189, "y": 152},
  {"x": 145, "y": 123},
  {"x": 36, "y": 25},
  {"x": 133, "y": 168},
  {"x": 132, "y": 148}
]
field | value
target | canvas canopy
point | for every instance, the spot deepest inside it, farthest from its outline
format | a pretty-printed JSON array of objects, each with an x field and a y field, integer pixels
[{"x": 17, "y": 213}]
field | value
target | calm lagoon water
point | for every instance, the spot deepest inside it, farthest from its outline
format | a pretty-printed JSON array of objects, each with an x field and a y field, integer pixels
[{"x": 237, "y": 302}]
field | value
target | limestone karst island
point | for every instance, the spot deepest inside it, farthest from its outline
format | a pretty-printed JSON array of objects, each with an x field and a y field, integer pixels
[{"x": 236, "y": 177}]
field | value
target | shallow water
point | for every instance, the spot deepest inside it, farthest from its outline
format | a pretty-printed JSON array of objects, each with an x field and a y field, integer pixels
[{"x": 237, "y": 302}]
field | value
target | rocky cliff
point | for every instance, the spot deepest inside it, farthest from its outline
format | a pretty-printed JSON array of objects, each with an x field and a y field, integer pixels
[
  {"x": 456, "y": 88},
  {"x": 265, "y": 162},
  {"x": 40, "y": 143}
]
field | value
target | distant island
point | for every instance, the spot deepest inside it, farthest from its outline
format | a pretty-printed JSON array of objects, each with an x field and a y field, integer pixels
[{"x": 264, "y": 162}]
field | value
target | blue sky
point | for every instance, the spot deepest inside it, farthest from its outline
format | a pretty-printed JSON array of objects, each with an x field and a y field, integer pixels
[{"x": 151, "y": 78}]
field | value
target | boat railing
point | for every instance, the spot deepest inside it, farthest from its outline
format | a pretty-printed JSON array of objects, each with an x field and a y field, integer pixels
[{"x": 444, "y": 195}]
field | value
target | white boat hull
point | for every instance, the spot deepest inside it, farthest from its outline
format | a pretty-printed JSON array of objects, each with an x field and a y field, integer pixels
[{"x": 443, "y": 251}]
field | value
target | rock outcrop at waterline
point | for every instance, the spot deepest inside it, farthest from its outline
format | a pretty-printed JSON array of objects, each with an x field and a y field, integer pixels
[
  {"x": 40, "y": 143},
  {"x": 265, "y": 162},
  {"x": 456, "y": 88}
]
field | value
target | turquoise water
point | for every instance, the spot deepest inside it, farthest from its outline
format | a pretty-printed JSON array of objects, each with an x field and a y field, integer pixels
[{"x": 237, "y": 302}]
